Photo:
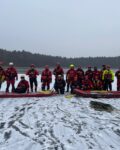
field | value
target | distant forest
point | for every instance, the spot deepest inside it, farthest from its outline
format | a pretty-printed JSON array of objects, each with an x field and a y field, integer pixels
[{"x": 24, "y": 59}]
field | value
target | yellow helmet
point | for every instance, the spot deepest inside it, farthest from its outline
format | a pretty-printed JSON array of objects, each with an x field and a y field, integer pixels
[{"x": 71, "y": 66}]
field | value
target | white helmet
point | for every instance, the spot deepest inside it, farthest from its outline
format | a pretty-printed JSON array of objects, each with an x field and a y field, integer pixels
[{"x": 11, "y": 64}]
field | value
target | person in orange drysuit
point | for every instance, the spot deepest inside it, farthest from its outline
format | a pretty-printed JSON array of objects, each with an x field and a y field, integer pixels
[
  {"x": 117, "y": 74},
  {"x": 32, "y": 73},
  {"x": 46, "y": 78},
  {"x": 58, "y": 70},
  {"x": 71, "y": 78},
  {"x": 11, "y": 75},
  {"x": 87, "y": 84},
  {"x": 23, "y": 86}
]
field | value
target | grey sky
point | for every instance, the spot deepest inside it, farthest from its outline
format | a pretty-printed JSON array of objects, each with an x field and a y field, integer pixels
[{"x": 71, "y": 28}]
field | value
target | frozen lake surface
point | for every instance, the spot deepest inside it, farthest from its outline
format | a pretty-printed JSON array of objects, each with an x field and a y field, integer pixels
[{"x": 58, "y": 123}]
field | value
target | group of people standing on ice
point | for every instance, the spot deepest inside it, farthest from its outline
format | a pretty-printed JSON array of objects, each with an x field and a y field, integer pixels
[{"x": 91, "y": 79}]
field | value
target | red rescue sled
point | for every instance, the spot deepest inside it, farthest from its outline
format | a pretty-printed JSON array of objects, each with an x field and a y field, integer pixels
[
  {"x": 97, "y": 94},
  {"x": 15, "y": 95}
]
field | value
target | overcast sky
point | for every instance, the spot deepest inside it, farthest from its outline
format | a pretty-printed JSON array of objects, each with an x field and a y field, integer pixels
[{"x": 71, "y": 28}]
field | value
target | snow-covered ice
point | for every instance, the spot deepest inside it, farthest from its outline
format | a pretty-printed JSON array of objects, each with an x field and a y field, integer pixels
[{"x": 58, "y": 123}]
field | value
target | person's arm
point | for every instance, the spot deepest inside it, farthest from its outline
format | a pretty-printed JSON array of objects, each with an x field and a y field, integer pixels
[
  {"x": 42, "y": 74},
  {"x": 16, "y": 74},
  {"x": 54, "y": 71},
  {"x": 62, "y": 71},
  {"x": 27, "y": 72},
  {"x": 112, "y": 75},
  {"x": 116, "y": 73},
  {"x": 64, "y": 83},
  {"x": 50, "y": 76},
  {"x": 67, "y": 75},
  {"x": 37, "y": 73},
  {"x": 103, "y": 74}
]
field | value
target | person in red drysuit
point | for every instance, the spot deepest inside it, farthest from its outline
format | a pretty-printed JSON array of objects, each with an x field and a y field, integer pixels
[
  {"x": 46, "y": 78},
  {"x": 96, "y": 73},
  {"x": 59, "y": 85},
  {"x": 10, "y": 75},
  {"x": 89, "y": 73},
  {"x": 80, "y": 76},
  {"x": 32, "y": 73},
  {"x": 71, "y": 77},
  {"x": 117, "y": 74},
  {"x": 58, "y": 71},
  {"x": 23, "y": 86},
  {"x": 97, "y": 84},
  {"x": 87, "y": 84}
]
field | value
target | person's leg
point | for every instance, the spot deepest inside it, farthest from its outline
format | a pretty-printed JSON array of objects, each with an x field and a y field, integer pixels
[
  {"x": 62, "y": 91},
  {"x": 31, "y": 84},
  {"x": 80, "y": 83},
  {"x": 68, "y": 86},
  {"x": 36, "y": 84},
  {"x": 56, "y": 89},
  {"x": 72, "y": 88},
  {"x": 20, "y": 90},
  {"x": 16, "y": 90},
  {"x": 0, "y": 84},
  {"x": 43, "y": 86},
  {"x": 110, "y": 85},
  {"x": 8, "y": 85},
  {"x": 106, "y": 85},
  {"x": 118, "y": 88},
  {"x": 13, "y": 85},
  {"x": 118, "y": 85},
  {"x": 48, "y": 85}
]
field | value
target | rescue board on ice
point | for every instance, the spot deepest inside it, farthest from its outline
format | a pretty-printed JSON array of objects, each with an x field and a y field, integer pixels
[
  {"x": 97, "y": 94},
  {"x": 22, "y": 95}
]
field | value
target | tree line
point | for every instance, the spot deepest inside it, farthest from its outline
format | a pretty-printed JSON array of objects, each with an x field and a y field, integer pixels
[{"x": 24, "y": 59}]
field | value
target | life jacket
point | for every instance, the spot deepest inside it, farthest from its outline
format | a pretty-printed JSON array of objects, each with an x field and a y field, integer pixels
[
  {"x": 58, "y": 71},
  {"x": 87, "y": 84},
  {"x": 108, "y": 74},
  {"x": 46, "y": 76},
  {"x": 2, "y": 75},
  {"x": 80, "y": 74},
  {"x": 117, "y": 74},
  {"x": 32, "y": 73},
  {"x": 102, "y": 71},
  {"x": 71, "y": 75},
  {"x": 80, "y": 71},
  {"x": 96, "y": 73},
  {"x": 60, "y": 83},
  {"x": 23, "y": 84},
  {"x": 10, "y": 73},
  {"x": 97, "y": 84},
  {"x": 89, "y": 73}
]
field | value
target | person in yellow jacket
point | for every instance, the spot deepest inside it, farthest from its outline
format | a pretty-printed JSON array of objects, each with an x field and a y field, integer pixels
[
  {"x": 108, "y": 78},
  {"x": 2, "y": 76}
]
